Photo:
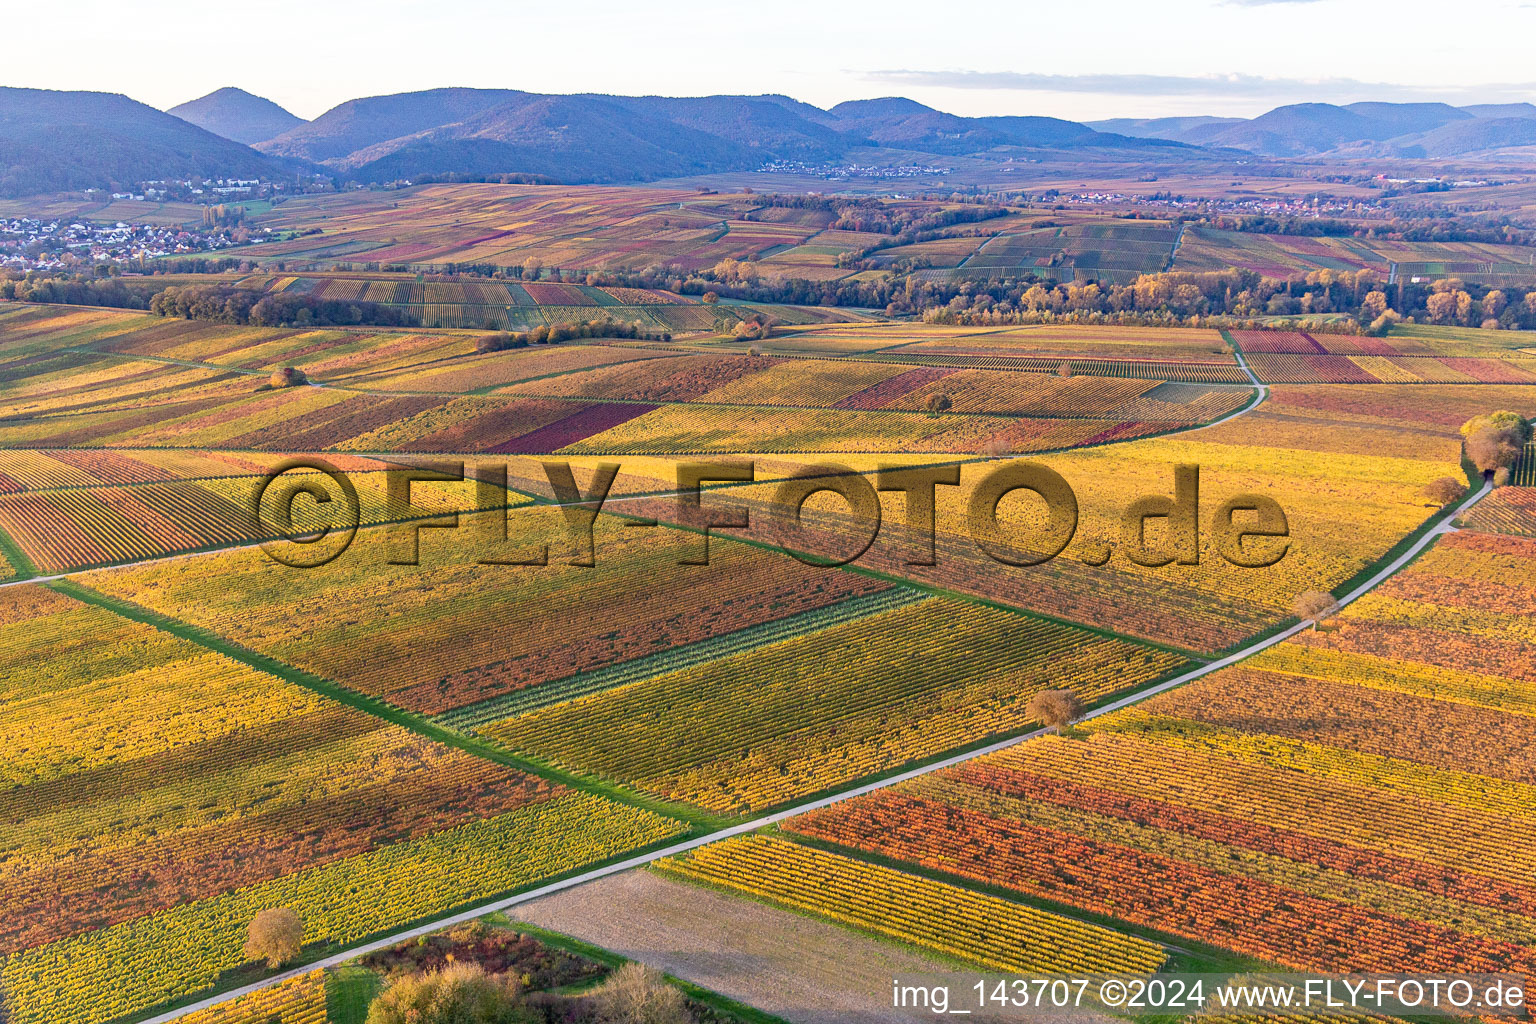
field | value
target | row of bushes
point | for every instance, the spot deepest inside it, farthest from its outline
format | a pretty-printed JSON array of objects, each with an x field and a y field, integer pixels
[{"x": 568, "y": 331}]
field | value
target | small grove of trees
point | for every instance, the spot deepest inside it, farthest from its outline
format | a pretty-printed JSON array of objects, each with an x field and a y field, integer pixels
[
  {"x": 1056, "y": 708},
  {"x": 754, "y": 329},
  {"x": 1445, "y": 490},
  {"x": 1450, "y": 301},
  {"x": 1493, "y": 442},
  {"x": 229, "y": 305},
  {"x": 546, "y": 335},
  {"x": 275, "y": 935},
  {"x": 104, "y": 291},
  {"x": 1316, "y": 605},
  {"x": 222, "y": 216}
]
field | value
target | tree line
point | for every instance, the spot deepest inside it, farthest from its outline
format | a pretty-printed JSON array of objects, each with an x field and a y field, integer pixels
[
  {"x": 1353, "y": 301},
  {"x": 1350, "y": 301},
  {"x": 226, "y": 305}
]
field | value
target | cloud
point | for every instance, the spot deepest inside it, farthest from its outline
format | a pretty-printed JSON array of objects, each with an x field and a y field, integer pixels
[{"x": 1334, "y": 90}]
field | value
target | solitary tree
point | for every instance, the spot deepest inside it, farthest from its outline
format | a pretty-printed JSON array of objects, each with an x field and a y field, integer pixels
[
  {"x": 458, "y": 994},
  {"x": 275, "y": 936},
  {"x": 938, "y": 403},
  {"x": 1445, "y": 490},
  {"x": 636, "y": 994},
  {"x": 1056, "y": 708},
  {"x": 1317, "y": 605}
]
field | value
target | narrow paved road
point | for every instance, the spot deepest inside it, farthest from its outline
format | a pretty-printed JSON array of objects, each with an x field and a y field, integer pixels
[{"x": 1386, "y": 572}]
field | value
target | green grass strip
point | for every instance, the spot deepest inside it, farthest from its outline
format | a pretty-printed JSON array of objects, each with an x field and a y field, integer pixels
[
  {"x": 723, "y": 645},
  {"x": 21, "y": 566},
  {"x": 349, "y": 991}
]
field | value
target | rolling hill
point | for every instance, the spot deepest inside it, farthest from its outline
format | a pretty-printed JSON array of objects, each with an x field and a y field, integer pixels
[
  {"x": 1367, "y": 129},
  {"x": 906, "y": 124},
  {"x": 56, "y": 141},
  {"x": 600, "y": 138},
  {"x": 362, "y": 124},
  {"x": 237, "y": 115},
  {"x": 1475, "y": 136},
  {"x": 570, "y": 138}
]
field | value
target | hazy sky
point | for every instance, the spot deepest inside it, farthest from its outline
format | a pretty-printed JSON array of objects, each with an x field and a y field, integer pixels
[{"x": 1078, "y": 60}]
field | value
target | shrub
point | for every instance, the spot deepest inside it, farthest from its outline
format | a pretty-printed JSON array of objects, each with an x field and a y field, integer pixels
[
  {"x": 288, "y": 377},
  {"x": 637, "y": 994},
  {"x": 499, "y": 342},
  {"x": 275, "y": 935},
  {"x": 460, "y": 994},
  {"x": 568, "y": 330}
]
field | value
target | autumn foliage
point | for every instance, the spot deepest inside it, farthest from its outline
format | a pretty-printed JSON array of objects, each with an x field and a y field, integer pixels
[
  {"x": 1317, "y": 605},
  {"x": 275, "y": 936},
  {"x": 1056, "y": 708},
  {"x": 287, "y": 377},
  {"x": 1493, "y": 442}
]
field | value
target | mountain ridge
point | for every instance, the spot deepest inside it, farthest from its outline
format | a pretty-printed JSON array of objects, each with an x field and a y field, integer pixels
[
  {"x": 237, "y": 115},
  {"x": 55, "y": 141}
]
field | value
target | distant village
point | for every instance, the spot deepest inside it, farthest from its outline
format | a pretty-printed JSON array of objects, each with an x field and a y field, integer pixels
[
  {"x": 86, "y": 238},
  {"x": 837, "y": 172},
  {"x": 206, "y": 190},
  {"x": 1269, "y": 206},
  {"x": 27, "y": 244}
]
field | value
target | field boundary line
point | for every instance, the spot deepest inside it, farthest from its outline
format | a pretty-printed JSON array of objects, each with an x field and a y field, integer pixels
[{"x": 336, "y": 959}]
